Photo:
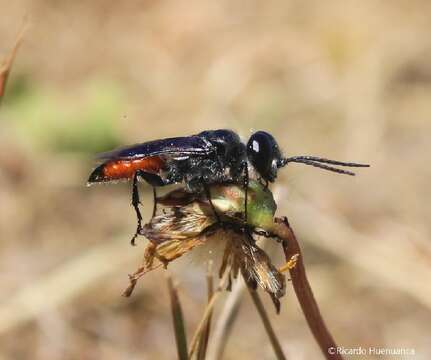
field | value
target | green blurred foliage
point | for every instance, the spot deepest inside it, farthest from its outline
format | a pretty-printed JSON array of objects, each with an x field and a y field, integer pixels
[{"x": 85, "y": 122}]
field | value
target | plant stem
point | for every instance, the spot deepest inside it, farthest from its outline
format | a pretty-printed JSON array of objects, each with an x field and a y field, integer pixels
[
  {"x": 203, "y": 342},
  {"x": 178, "y": 320},
  {"x": 225, "y": 322},
  {"x": 303, "y": 290},
  {"x": 207, "y": 313},
  {"x": 267, "y": 324}
]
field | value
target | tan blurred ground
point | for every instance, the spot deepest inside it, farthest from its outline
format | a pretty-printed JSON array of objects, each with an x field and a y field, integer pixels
[{"x": 349, "y": 80}]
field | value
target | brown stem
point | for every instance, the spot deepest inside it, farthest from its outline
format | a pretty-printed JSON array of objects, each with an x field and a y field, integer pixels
[{"x": 303, "y": 291}]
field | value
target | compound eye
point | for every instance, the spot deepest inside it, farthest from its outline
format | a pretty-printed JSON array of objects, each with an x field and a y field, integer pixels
[{"x": 259, "y": 152}]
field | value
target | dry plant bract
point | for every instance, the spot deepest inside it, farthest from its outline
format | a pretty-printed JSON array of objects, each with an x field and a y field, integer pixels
[{"x": 187, "y": 221}]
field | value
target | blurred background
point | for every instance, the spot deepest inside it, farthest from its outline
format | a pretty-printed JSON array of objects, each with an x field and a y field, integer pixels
[{"x": 346, "y": 80}]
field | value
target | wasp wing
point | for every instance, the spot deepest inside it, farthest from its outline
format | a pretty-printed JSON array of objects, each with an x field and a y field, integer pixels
[
  {"x": 175, "y": 146},
  {"x": 149, "y": 157}
]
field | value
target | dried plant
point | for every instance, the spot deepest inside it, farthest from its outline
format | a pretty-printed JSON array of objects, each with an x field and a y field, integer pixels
[{"x": 186, "y": 221}]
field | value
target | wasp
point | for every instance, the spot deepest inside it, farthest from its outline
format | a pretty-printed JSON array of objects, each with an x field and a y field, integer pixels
[{"x": 198, "y": 161}]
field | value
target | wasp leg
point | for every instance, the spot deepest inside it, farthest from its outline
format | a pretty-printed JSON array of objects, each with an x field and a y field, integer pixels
[
  {"x": 266, "y": 234},
  {"x": 153, "y": 180},
  {"x": 135, "y": 204},
  {"x": 208, "y": 195},
  {"x": 246, "y": 181},
  {"x": 154, "y": 201}
]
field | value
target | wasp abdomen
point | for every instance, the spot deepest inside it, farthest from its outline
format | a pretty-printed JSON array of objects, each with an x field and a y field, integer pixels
[{"x": 125, "y": 169}]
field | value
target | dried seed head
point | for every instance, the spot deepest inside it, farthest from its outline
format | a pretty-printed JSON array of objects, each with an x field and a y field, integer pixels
[{"x": 188, "y": 220}]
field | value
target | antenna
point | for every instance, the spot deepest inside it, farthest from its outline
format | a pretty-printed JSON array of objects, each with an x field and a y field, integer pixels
[{"x": 321, "y": 163}]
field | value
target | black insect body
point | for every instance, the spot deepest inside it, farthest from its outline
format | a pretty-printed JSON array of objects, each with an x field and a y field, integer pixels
[
  {"x": 210, "y": 157},
  {"x": 216, "y": 156}
]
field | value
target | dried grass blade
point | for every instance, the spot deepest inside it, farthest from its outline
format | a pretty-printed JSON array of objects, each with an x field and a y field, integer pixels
[
  {"x": 267, "y": 324},
  {"x": 207, "y": 314},
  {"x": 226, "y": 319},
  {"x": 203, "y": 343},
  {"x": 178, "y": 320}
]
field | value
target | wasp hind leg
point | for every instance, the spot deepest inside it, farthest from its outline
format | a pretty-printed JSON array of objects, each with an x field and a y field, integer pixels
[
  {"x": 154, "y": 180},
  {"x": 135, "y": 204}
]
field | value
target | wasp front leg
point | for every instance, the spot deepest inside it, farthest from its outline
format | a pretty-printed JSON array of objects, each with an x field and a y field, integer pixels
[
  {"x": 246, "y": 182},
  {"x": 208, "y": 195}
]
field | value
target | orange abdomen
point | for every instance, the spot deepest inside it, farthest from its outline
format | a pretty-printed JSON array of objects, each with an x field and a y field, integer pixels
[{"x": 125, "y": 169}]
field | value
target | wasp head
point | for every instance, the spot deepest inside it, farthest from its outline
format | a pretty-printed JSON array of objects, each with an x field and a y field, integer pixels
[{"x": 264, "y": 154}]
